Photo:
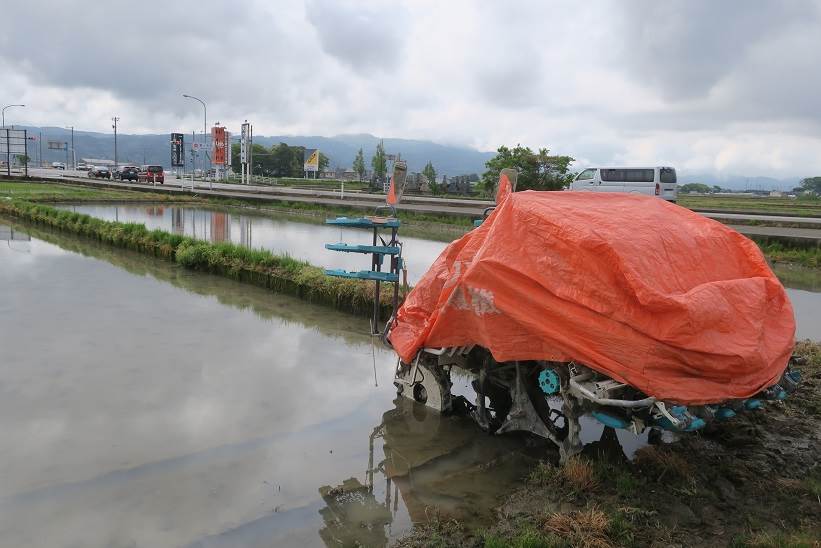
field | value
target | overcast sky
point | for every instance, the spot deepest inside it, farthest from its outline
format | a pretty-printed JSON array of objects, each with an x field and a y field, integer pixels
[{"x": 720, "y": 87}]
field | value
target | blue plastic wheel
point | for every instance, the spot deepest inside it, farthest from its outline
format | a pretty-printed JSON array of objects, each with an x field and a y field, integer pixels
[{"x": 549, "y": 382}]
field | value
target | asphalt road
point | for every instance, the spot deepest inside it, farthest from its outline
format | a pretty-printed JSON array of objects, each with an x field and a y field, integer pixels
[{"x": 422, "y": 204}]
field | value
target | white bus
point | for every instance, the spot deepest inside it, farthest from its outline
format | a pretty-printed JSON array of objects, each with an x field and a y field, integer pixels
[{"x": 652, "y": 181}]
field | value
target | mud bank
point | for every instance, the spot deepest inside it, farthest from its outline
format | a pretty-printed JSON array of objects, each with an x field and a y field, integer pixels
[{"x": 754, "y": 480}]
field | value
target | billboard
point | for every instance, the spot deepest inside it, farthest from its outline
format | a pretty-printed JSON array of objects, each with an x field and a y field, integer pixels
[
  {"x": 311, "y": 159},
  {"x": 13, "y": 141},
  {"x": 218, "y": 145},
  {"x": 177, "y": 150},
  {"x": 57, "y": 145}
]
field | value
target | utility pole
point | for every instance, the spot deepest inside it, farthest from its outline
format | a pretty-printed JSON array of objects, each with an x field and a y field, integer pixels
[
  {"x": 115, "y": 120},
  {"x": 73, "y": 154},
  {"x": 40, "y": 151}
]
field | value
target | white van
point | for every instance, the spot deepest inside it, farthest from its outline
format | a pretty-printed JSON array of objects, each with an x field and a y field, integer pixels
[{"x": 652, "y": 181}]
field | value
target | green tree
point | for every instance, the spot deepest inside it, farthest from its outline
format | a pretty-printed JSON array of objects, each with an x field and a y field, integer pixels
[
  {"x": 716, "y": 188},
  {"x": 379, "y": 162},
  {"x": 812, "y": 184},
  {"x": 430, "y": 173},
  {"x": 359, "y": 164},
  {"x": 537, "y": 170},
  {"x": 324, "y": 161},
  {"x": 695, "y": 187}
]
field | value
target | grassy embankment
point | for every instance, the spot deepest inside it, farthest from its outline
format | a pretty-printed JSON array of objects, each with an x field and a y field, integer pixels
[
  {"x": 279, "y": 273},
  {"x": 795, "y": 207},
  {"x": 57, "y": 192},
  {"x": 752, "y": 481}
]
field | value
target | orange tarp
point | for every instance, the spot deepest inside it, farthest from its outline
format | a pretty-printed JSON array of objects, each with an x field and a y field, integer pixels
[{"x": 679, "y": 306}]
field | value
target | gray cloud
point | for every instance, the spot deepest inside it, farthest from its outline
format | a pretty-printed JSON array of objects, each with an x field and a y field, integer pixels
[
  {"x": 699, "y": 83},
  {"x": 363, "y": 37},
  {"x": 685, "y": 49}
]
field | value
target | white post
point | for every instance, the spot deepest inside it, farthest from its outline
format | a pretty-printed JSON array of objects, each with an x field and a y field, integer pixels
[{"x": 342, "y": 191}]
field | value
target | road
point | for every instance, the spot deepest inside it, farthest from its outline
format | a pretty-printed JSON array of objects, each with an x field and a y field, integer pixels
[{"x": 420, "y": 204}]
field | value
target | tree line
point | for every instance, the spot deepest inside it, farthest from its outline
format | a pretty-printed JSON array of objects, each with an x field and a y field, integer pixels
[{"x": 281, "y": 160}]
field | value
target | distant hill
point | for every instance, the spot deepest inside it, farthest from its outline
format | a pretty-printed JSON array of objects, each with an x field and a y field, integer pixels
[
  {"x": 340, "y": 149},
  {"x": 739, "y": 182}
]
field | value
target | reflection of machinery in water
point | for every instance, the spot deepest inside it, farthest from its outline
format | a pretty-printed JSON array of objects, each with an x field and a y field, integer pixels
[
  {"x": 687, "y": 361},
  {"x": 352, "y": 515},
  {"x": 431, "y": 462}
]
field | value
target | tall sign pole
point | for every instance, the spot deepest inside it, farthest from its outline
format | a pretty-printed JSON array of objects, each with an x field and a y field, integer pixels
[
  {"x": 245, "y": 147},
  {"x": 115, "y": 120}
]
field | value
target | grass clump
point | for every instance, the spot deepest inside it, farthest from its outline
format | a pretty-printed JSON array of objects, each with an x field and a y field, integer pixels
[
  {"x": 587, "y": 528},
  {"x": 577, "y": 475}
]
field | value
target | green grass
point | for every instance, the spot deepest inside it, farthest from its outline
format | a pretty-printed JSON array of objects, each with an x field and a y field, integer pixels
[
  {"x": 280, "y": 273},
  {"x": 798, "y": 207},
  {"x": 57, "y": 192},
  {"x": 778, "y": 252}
]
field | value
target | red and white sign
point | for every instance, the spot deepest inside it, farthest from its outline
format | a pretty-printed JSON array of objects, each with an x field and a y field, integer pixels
[{"x": 218, "y": 147}]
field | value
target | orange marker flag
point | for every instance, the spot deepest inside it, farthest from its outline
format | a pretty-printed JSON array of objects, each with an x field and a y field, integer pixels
[
  {"x": 505, "y": 188},
  {"x": 391, "y": 194}
]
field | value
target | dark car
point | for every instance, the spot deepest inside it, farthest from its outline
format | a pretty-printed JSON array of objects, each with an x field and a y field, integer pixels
[
  {"x": 100, "y": 172},
  {"x": 151, "y": 174},
  {"x": 128, "y": 173}
]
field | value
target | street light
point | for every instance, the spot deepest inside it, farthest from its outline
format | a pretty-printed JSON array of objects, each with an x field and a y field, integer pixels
[
  {"x": 4, "y": 112},
  {"x": 204, "y": 120}
]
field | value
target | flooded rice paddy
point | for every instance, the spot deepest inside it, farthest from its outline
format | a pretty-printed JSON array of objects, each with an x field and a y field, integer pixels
[
  {"x": 304, "y": 240},
  {"x": 144, "y": 404}
]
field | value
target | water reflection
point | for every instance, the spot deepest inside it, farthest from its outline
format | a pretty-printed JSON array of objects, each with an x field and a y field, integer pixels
[
  {"x": 442, "y": 464},
  {"x": 301, "y": 240}
]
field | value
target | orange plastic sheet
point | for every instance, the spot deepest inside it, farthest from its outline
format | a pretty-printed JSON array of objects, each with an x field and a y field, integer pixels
[{"x": 647, "y": 292}]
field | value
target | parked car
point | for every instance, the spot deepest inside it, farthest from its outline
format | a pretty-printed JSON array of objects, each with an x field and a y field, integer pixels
[
  {"x": 58, "y": 165},
  {"x": 652, "y": 181},
  {"x": 128, "y": 173},
  {"x": 83, "y": 167},
  {"x": 151, "y": 174},
  {"x": 100, "y": 172}
]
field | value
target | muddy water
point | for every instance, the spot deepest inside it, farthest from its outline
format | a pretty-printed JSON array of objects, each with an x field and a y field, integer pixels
[
  {"x": 306, "y": 241},
  {"x": 147, "y": 405}
]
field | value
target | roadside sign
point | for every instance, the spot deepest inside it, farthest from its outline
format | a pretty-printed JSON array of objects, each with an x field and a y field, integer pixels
[
  {"x": 57, "y": 145},
  {"x": 243, "y": 146},
  {"x": 177, "y": 150},
  {"x": 13, "y": 141},
  {"x": 228, "y": 149},
  {"x": 311, "y": 159},
  {"x": 218, "y": 144}
]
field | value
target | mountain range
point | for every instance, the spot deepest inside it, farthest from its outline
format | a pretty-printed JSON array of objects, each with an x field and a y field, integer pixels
[{"x": 340, "y": 149}]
